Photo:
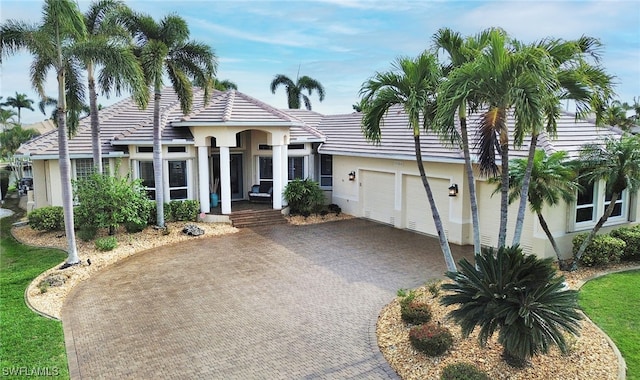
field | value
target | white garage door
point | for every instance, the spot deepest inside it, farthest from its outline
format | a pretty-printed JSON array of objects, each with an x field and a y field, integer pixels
[
  {"x": 418, "y": 216},
  {"x": 378, "y": 194}
]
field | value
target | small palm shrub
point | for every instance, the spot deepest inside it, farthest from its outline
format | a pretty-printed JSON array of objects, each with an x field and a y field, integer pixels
[
  {"x": 520, "y": 297},
  {"x": 603, "y": 250},
  {"x": 431, "y": 338},
  {"x": 412, "y": 310},
  {"x": 631, "y": 236},
  {"x": 49, "y": 218},
  {"x": 462, "y": 371},
  {"x": 304, "y": 197},
  {"x": 106, "y": 243}
]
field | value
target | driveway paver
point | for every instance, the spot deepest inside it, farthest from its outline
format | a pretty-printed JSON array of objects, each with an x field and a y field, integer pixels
[{"x": 280, "y": 302}]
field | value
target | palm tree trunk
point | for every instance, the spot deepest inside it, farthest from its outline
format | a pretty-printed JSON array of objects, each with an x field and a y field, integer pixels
[
  {"x": 65, "y": 164},
  {"x": 545, "y": 228},
  {"x": 95, "y": 122},
  {"x": 470, "y": 180},
  {"x": 157, "y": 159},
  {"x": 504, "y": 195},
  {"x": 524, "y": 192},
  {"x": 596, "y": 228},
  {"x": 444, "y": 243}
]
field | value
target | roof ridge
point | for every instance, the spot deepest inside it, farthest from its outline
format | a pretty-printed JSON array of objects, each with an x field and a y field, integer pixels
[
  {"x": 228, "y": 107},
  {"x": 274, "y": 111},
  {"x": 212, "y": 99}
]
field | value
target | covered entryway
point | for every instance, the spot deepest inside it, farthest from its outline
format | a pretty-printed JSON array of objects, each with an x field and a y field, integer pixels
[{"x": 236, "y": 173}]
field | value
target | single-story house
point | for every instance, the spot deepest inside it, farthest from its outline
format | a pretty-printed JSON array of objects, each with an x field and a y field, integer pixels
[{"x": 236, "y": 142}]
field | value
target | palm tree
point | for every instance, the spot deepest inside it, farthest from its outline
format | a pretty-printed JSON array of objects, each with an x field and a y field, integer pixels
[
  {"x": 10, "y": 140},
  {"x": 461, "y": 51},
  {"x": 411, "y": 84},
  {"x": 616, "y": 115},
  {"x": 6, "y": 119},
  {"x": 107, "y": 47},
  {"x": 20, "y": 101},
  {"x": 507, "y": 77},
  {"x": 225, "y": 85},
  {"x": 48, "y": 42},
  {"x": 552, "y": 180},
  {"x": 294, "y": 90},
  {"x": 163, "y": 48},
  {"x": 518, "y": 295},
  {"x": 616, "y": 162},
  {"x": 576, "y": 79}
]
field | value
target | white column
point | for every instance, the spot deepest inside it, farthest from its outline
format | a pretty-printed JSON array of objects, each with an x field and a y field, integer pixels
[
  {"x": 285, "y": 171},
  {"x": 225, "y": 180},
  {"x": 203, "y": 178},
  {"x": 277, "y": 176}
]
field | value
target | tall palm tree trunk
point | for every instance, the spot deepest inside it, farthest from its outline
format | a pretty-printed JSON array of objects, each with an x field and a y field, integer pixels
[
  {"x": 524, "y": 192},
  {"x": 504, "y": 195},
  {"x": 65, "y": 163},
  {"x": 545, "y": 228},
  {"x": 470, "y": 180},
  {"x": 603, "y": 219},
  {"x": 96, "y": 147},
  {"x": 444, "y": 243},
  {"x": 157, "y": 158}
]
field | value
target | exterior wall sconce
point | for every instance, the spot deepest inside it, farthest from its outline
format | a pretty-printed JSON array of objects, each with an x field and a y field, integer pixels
[
  {"x": 453, "y": 190},
  {"x": 352, "y": 176}
]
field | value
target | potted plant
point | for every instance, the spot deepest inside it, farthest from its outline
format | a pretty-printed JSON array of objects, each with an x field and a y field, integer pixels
[{"x": 214, "y": 192}]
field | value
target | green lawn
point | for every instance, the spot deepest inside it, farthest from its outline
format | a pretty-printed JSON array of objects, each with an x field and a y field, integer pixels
[
  {"x": 29, "y": 344},
  {"x": 613, "y": 303}
]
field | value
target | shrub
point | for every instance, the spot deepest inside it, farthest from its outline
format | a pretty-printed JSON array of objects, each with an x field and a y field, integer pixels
[
  {"x": 334, "y": 208},
  {"x": 107, "y": 201},
  {"x": 431, "y": 338},
  {"x": 631, "y": 236},
  {"x": 133, "y": 227},
  {"x": 4, "y": 182},
  {"x": 412, "y": 310},
  {"x": 49, "y": 218},
  {"x": 106, "y": 243},
  {"x": 87, "y": 233},
  {"x": 303, "y": 197},
  {"x": 519, "y": 296},
  {"x": 186, "y": 210},
  {"x": 603, "y": 249},
  {"x": 462, "y": 371}
]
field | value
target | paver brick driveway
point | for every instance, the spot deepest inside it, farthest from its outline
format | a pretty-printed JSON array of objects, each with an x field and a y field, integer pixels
[{"x": 281, "y": 302}]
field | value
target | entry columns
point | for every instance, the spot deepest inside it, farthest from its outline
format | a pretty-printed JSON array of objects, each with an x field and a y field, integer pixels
[
  {"x": 203, "y": 175},
  {"x": 277, "y": 176},
  {"x": 225, "y": 180}
]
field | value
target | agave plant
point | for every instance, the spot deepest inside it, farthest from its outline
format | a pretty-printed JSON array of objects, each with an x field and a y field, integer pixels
[{"x": 521, "y": 297}]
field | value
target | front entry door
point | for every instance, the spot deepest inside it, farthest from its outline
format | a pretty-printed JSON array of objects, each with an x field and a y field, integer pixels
[{"x": 237, "y": 185}]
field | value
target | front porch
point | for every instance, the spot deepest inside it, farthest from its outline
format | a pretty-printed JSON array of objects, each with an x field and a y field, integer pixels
[{"x": 246, "y": 214}]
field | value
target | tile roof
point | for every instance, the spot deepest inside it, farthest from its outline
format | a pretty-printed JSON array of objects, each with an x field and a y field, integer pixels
[{"x": 344, "y": 137}]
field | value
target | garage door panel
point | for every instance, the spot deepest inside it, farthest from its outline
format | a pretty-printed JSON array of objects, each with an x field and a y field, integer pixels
[
  {"x": 378, "y": 192},
  {"x": 418, "y": 216}
]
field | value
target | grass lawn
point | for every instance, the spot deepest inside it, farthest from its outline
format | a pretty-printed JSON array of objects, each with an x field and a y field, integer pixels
[
  {"x": 613, "y": 303},
  {"x": 29, "y": 344}
]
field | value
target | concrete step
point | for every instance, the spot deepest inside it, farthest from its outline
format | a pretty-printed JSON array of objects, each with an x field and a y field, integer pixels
[{"x": 251, "y": 218}]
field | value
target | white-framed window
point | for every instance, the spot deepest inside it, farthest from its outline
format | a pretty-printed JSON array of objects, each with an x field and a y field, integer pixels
[
  {"x": 326, "y": 170},
  {"x": 178, "y": 176},
  {"x": 146, "y": 174},
  {"x": 296, "y": 167},
  {"x": 84, "y": 167},
  {"x": 592, "y": 202}
]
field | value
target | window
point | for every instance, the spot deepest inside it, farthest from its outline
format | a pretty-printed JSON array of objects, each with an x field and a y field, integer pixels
[
  {"x": 145, "y": 173},
  {"x": 296, "y": 168},
  {"x": 177, "y": 180},
  {"x": 266, "y": 168},
  {"x": 84, "y": 167},
  {"x": 326, "y": 170},
  {"x": 145, "y": 149},
  {"x": 592, "y": 202},
  {"x": 176, "y": 149}
]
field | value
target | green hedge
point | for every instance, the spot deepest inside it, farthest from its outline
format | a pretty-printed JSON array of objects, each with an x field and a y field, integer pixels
[
  {"x": 603, "y": 249},
  {"x": 631, "y": 236},
  {"x": 49, "y": 218},
  {"x": 463, "y": 371}
]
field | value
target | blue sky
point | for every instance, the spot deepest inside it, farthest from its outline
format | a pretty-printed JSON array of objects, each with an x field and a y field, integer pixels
[{"x": 343, "y": 43}]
